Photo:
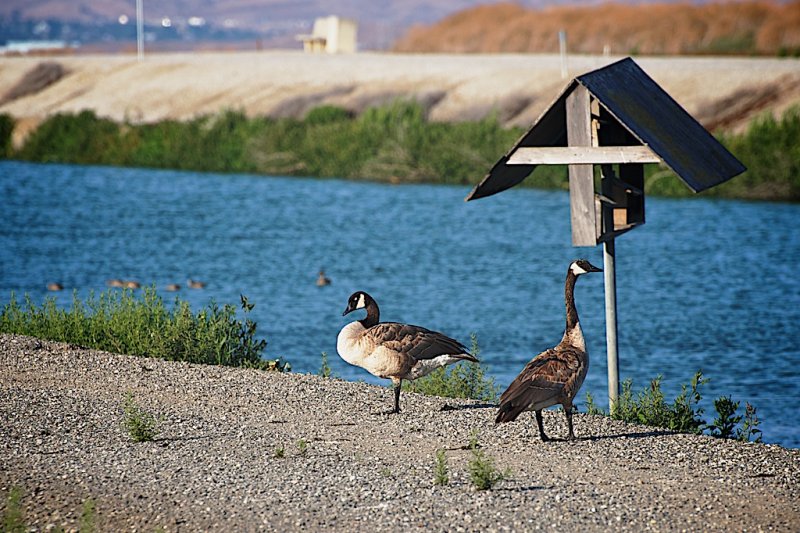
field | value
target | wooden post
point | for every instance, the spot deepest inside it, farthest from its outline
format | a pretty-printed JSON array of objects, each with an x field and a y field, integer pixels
[{"x": 581, "y": 176}]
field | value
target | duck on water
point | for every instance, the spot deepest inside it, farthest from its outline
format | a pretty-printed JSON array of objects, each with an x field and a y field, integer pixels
[
  {"x": 555, "y": 375},
  {"x": 395, "y": 351}
]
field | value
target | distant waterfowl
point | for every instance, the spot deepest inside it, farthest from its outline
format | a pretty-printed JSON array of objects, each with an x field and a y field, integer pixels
[
  {"x": 555, "y": 375},
  {"x": 194, "y": 284},
  {"x": 55, "y": 287},
  {"x": 131, "y": 284},
  {"x": 322, "y": 279},
  {"x": 115, "y": 283},
  {"x": 394, "y": 351},
  {"x": 173, "y": 287}
]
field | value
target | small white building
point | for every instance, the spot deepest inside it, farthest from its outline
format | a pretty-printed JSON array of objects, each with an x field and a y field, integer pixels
[{"x": 332, "y": 35}]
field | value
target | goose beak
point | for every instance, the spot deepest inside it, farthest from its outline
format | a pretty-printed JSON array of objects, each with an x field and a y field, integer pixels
[
  {"x": 349, "y": 309},
  {"x": 593, "y": 268}
]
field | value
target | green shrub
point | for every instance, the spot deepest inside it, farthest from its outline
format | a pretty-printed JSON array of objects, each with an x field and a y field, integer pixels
[
  {"x": 440, "y": 469},
  {"x": 13, "y": 514},
  {"x": 684, "y": 415},
  {"x": 121, "y": 322},
  {"x": 140, "y": 425},
  {"x": 7, "y": 124},
  {"x": 482, "y": 472},
  {"x": 462, "y": 380}
]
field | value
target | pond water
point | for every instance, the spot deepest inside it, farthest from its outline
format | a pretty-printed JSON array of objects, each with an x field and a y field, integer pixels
[{"x": 705, "y": 284}]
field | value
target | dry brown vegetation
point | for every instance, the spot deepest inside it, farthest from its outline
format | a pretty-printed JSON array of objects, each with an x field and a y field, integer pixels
[{"x": 755, "y": 27}]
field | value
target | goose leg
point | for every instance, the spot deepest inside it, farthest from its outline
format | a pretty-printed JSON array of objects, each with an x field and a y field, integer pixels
[
  {"x": 397, "y": 386},
  {"x": 540, "y": 423},
  {"x": 568, "y": 412}
]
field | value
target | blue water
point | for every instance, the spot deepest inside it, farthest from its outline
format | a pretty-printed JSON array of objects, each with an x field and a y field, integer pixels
[{"x": 705, "y": 284}]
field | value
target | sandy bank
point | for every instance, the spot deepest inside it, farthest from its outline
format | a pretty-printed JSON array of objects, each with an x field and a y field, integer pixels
[
  {"x": 214, "y": 468},
  {"x": 724, "y": 92}
]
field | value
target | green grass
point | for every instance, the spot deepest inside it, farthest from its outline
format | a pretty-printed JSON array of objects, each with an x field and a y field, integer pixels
[
  {"x": 462, "y": 380},
  {"x": 649, "y": 407},
  {"x": 121, "y": 321},
  {"x": 140, "y": 425},
  {"x": 394, "y": 143}
]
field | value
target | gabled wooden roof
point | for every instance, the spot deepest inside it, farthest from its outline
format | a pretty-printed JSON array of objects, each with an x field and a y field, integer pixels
[{"x": 645, "y": 110}]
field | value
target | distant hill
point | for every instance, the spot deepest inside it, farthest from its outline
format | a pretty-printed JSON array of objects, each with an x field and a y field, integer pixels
[
  {"x": 274, "y": 23},
  {"x": 755, "y": 27}
]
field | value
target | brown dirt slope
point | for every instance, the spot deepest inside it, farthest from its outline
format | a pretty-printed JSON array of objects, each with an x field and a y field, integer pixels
[{"x": 716, "y": 28}]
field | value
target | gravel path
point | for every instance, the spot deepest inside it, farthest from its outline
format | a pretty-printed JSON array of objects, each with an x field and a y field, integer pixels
[{"x": 213, "y": 465}]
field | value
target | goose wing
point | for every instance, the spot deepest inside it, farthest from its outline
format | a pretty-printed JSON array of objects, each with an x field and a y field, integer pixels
[
  {"x": 418, "y": 342},
  {"x": 541, "y": 382}
]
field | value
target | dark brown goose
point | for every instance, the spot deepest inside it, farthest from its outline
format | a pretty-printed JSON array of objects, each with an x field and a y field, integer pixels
[
  {"x": 394, "y": 351},
  {"x": 555, "y": 375}
]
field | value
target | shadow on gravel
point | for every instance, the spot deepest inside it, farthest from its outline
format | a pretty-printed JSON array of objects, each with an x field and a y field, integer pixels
[
  {"x": 448, "y": 407},
  {"x": 634, "y": 435}
]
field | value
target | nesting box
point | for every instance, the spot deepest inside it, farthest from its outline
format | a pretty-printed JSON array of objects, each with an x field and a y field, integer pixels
[{"x": 614, "y": 119}]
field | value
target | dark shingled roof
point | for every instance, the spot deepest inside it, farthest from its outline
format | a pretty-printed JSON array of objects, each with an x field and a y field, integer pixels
[{"x": 646, "y": 111}]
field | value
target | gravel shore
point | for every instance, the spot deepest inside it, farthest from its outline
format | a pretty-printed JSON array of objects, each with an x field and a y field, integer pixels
[{"x": 213, "y": 465}]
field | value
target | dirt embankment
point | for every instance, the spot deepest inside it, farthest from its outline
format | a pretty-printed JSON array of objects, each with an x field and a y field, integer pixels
[{"x": 721, "y": 92}]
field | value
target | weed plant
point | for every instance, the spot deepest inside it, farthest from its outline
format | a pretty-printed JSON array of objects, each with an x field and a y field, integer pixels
[
  {"x": 122, "y": 322},
  {"x": 462, "y": 380},
  {"x": 302, "y": 447},
  {"x": 13, "y": 514},
  {"x": 440, "y": 469},
  {"x": 140, "y": 425},
  {"x": 649, "y": 407},
  {"x": 325, "y": 369},
  {"x": 482, "y": 472}
]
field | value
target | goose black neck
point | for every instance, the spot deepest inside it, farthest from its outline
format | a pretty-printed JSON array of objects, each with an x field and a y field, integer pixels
[
  {"x": 569, "y": 300},
  {"x": 373, "y": 315}
]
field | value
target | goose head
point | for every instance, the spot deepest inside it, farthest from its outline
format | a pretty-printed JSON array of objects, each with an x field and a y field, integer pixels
[
  {"x": 582, "y": 266},
  {"x": 358, "y": 300}
]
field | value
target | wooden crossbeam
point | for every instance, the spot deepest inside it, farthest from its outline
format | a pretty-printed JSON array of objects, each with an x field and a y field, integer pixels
[{"x": 582, "y": 155}]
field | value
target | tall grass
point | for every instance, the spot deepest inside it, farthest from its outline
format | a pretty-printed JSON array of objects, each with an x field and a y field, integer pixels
[
  {"x": 395, "y": 143},
  {"x": 122, "y": 322}
]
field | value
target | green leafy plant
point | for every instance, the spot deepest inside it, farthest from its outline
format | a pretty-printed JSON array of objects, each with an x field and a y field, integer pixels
[
  {"x": 440, "y": 469},
  {"x": 121, "y": 321},
  {"x": 684, "y": 414},
  {"x": 88, "y": 514},
  {"x": 280, "y": 452},
  {"x": 140, "y": 425},
  {"x": 325, "y": 369},
  {"x": 302, "y": 447},
  {"x": 13, "y": 515},
  {"x": 462, "y": 380},
  {"x": 482, "y": 472},
  {"x": 749, "y": 430}
]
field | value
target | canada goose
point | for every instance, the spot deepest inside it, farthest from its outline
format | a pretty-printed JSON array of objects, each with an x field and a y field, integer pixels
[
  {"x": 322, "y": 279},
  {"x": 55, "y": 287},
  {"x": 173, "y": 287},
  {"x": 130, "y": 284},
  {"x": 555, "y": 375},
  {"x": 394, "y": 351},
  {"x": 115, "y": 283},
  {"x": 194, "y": 284}
]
